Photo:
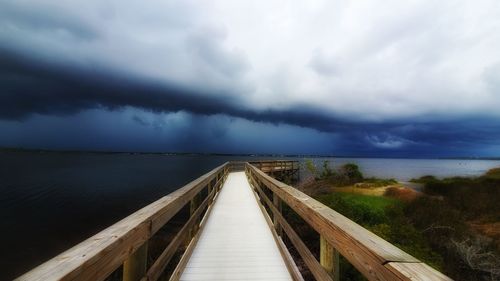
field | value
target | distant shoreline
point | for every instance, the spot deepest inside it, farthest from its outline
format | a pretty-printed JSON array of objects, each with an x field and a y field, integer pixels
[{"x": 69, "y": 151}]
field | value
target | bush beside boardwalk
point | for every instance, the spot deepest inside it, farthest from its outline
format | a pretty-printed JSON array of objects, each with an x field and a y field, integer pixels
[{"x": 441, "y": 226}]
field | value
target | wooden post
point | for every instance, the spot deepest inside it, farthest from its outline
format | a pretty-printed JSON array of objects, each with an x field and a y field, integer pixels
[
  {"x": 193, "y": 205},
  {"x": 329, "y": 258},
  {"x": 277, "y": 204},
  {"x": 134, "y": 268},
  {"x": 209, "y": 189},
  {"x": 220, "y": 176}
]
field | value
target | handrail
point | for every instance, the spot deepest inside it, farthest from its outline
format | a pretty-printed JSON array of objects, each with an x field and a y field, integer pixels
[
  {"x": 285, "y": 170},
  {"x": 126, "y": 242},
  {"x": 100, "y": 255},
  {"x": 374, "y": 257},
  {"x": 276, "y": 163}
]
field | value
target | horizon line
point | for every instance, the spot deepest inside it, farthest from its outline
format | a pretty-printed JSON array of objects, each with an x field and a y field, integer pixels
[{"x": 295, "y": 155}]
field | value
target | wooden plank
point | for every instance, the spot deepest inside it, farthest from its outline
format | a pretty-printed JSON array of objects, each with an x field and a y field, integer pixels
[
  {"x": 366, "y": 251},
  {"x": 269, "y": 166},
  {"x": 416, "y": 271},
  {"x": 236, "y": 243},
  {"x": 184, "y": 195},
  {"x": 312, "y": 263},
  {"x": 100, "y": 255},
  {"x": 193, "y": 206},
  {"x": 277, "y": 204},
  {"x": 329, "y": 258},
  {"x": 290, "y": 263},
  {"x": 161, "y": 262},
  {"x": 179, "y": 269},
  {"x": 135, "y": 265}
]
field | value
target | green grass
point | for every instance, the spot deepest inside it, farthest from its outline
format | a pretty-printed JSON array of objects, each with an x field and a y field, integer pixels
[{"x": 363, "y": 209}]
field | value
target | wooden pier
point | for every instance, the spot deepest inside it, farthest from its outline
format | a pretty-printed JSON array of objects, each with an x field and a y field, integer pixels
[
  {"x": 235, "y": 231},
  {"x": 236, "y": 242}
]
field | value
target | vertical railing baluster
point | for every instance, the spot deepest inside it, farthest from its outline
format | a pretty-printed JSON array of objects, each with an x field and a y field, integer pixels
[
  {"x": 209, "y": 189},
  {"x": 329, "y": 258},
  {"x": 277, "y": 204},
  {"x": 193, "y": 205},
  {"x": 134, "y": 268}
]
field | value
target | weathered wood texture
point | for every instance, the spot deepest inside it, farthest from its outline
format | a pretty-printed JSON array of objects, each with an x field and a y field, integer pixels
[
  {"x": 161, "y": 262},
  {"x": 415, "y": 271},
  {"x": 329, "y": 258},
  {"x": 277, "y": 204},
  {"x": 289, "y": 261},
  {"x": 276, "y": 165},
  {"x": 314, "y": 266},
  {"x": 374, "y": 257},
  {"x": 135, "y": 265},
  {"x": 98, "y": 256},
  {"x": 187, "y": 254}
]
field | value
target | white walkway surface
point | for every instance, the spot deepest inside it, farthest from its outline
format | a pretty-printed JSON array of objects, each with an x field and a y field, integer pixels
[{"x": 236, "y": 243}]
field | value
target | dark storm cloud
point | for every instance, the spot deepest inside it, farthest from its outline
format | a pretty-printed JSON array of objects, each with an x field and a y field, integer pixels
[
  {"x": 30, "y": 86},
  {"x": 424, "y": 139},
  {"x": 383, "y": 78},
  {"x": 33, "y": 86}
]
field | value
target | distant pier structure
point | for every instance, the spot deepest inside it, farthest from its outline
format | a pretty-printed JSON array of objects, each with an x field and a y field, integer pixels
[{"x": 235, "y": 230}]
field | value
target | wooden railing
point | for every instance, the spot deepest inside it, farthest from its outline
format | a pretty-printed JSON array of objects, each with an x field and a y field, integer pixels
[
  {"x": 282, "y": 170},
  {"x": 126, "y": 242},
  {"x": 276, "y": 165},
  {"x": 372, "y": 256}
]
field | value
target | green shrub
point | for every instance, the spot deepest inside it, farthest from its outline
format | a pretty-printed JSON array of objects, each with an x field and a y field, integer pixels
[
  {"x": 424, "y": 179},
  {"x": 474, "y": 198},
  {"x": 433, "y": 228},
  {"x": 493, "y": 174},
  {"x": 444, "y": 228},
  {"x": 351, "y": 171},
  {"x": 380, "y": 182},
  {"x": 386, "y": 218},
  {"x": 327, "y": 171},
  {"x": 347, "y": 174},
  {"x": 311, "y": 168}
]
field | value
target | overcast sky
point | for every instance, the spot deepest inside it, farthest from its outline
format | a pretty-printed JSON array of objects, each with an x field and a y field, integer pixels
[{"x": 366, "y": 78}]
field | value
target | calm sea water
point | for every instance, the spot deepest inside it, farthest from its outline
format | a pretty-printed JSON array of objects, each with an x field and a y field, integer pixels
[{"x": 51, "y": 201}]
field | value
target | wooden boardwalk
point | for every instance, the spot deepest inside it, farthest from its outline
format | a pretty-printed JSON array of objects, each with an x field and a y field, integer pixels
[
  {"x": 235, "y": 231},
  {"x": 236, "y": 243}
]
